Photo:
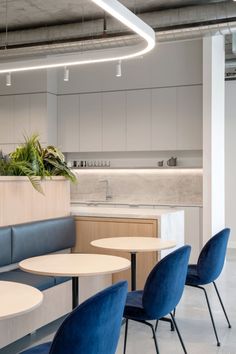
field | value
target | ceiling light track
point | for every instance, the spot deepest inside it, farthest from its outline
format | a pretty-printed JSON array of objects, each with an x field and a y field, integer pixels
[{"x": 118, "y": 11}]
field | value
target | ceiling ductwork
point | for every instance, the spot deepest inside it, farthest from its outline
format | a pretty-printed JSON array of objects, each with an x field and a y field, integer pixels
[
  {"x": 170, "y": 25},
  {"x": 113, "y": 8},
  {"x": 230, "y": 63}
]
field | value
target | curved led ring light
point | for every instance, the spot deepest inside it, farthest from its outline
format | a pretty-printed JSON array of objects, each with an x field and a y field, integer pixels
[{"x": 118, "y": 11}]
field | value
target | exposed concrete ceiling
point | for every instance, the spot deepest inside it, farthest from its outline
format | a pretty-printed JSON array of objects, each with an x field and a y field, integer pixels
[
  {"x": 59, "y": 26},
  {"x": 22, "y": 14}
]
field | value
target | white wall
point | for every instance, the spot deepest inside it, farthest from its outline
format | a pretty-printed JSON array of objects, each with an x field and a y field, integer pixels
[
  {"x": 24, "y": 82},
  {"x": 169, "y": 64},
  {"x": 30, "y": 82},
  {"x": 230, "y": 165}
]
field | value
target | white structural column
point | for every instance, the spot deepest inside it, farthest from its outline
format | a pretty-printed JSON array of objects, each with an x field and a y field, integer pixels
[
  {"x": 213, "y": 136},
  {"x": 230, "y": 167}
]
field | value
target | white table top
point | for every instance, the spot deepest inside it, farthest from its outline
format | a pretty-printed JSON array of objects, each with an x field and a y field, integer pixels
[
  {"x": 134, "y": 244},
  {"x": 74, "y": 264},
  {"x": 17, "y": 298}
]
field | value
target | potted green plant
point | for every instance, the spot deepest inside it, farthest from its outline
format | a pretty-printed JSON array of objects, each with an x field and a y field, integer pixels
[{"x": 32, "y": 160}]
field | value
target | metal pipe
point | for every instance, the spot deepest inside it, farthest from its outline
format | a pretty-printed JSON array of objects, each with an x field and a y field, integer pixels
[{"x": 172, "y": 25}]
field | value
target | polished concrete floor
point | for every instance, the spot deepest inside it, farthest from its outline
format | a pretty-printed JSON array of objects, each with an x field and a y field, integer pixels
[{"x": 193, "y": 321}]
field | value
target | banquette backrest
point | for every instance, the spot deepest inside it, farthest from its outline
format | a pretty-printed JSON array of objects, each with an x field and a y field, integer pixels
[
  {"x": 5, "y": 245},
  {"x": 36, "y": 238}
]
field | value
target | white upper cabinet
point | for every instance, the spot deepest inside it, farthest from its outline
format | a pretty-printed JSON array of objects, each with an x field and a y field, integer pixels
[
  {"x": 39, "y": 116},
  {"x": 164, "y": 119},
  {"x": 26, "y": 114},
  {"x": 68, "y": 123},
  {"x": 138, "y": 120},
  {"x": 21, "y": 117},
  {"x": 90, "y": 137},
  {"x": 52, "y": 124},
  {"x": 6, "y": 119},
  {"x": 113, "y": 121},
  {"x": 7, "y": 148},
  {"x": 134, "y": 120},
  {"x": 189, "y": 118}
]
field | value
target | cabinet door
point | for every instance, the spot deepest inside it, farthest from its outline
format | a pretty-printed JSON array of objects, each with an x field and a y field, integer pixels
[
  {"x": 164, "y": 119},
  {"x": 38, "y": 116},
  {"x": 6, "y": 120},
  {"x": 52, "y": 121},
  {"x": 21, "y": 117},
  {"x": 139, "y": 120},
  {"x": 89, "y": 229},
  {"x": 189, "y": 118},
  {"x": 90, "y": 122},
  {"x": 113, "y": 121},
  {"x": 193, "y": 230},
  {"x": 68, "y": 123}
]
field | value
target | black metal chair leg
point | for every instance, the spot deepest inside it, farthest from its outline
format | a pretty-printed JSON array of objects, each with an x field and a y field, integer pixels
[
  {"x": 166, "y": 319},
  {"x": 212, "y": 319},
  {"x": 179, "y": 335},
  {"x": 153, "y": 333},
  {"x": 156, "y": 325},
  {"x": 155, "y": 339},
  {"x": 125, "y": 339},
  {"x": 221, "y": 302}
]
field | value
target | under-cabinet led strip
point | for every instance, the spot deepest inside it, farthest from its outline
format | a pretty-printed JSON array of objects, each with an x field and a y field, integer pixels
[{"x": 118, "y": 11}]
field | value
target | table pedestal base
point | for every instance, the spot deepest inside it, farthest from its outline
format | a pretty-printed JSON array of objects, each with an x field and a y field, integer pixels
[
  {"x": 75, "y": 292},
  {"x": 133, "y": 271}
]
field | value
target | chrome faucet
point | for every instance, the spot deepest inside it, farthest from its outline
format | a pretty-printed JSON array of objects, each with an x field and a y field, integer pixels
[{"x": 108, "y": 190}]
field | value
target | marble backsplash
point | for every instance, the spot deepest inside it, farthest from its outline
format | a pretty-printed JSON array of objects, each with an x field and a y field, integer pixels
[{"x": 170, "y": 186}]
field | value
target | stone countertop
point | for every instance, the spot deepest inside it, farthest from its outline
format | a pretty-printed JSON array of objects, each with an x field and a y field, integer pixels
[
  {"x": 103, "y": 203},
  {"x": 129, "y": 212}
]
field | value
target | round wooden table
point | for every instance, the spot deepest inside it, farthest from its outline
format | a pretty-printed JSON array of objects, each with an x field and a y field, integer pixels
[
  {"x": 74, "y": 265},
  {"x": 17, "y": 298},
  {"x": 133, "y": 245}
]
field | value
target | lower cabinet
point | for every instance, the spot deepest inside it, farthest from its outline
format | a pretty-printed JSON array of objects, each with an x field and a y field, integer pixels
[
  {"x": 92, "y": 228},
  {"x": 192, "y": 229}
]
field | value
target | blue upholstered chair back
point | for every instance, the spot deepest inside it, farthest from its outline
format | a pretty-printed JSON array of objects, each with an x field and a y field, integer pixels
[
  {"x": 94, "y": 326},
  {"x": 212, "y": 257},
  {"x": 165, "y": 283}
]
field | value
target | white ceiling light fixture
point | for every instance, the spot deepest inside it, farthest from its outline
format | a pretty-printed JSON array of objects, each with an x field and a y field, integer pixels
[
  {"x": 118, "y": 11},
  {"x": 66, "y": 73},
  {"x": 8, "y": 79},
  {"x": 118, "y": 69}
]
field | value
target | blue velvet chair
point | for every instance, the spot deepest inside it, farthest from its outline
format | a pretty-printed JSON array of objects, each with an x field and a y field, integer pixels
[
  {"x": 208, "y": 268},
  {"x": 91, "y": 328},
  {"x": 162, "y": 292}
]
